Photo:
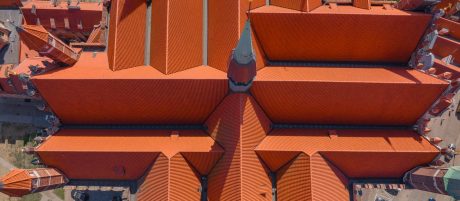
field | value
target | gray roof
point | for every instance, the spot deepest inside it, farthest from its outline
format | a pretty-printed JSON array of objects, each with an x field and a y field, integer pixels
[{"x": 10, "y": 54}]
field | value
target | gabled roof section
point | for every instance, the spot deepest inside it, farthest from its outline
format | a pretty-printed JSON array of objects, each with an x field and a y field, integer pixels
[
  {"x": 124, "y": 154},
  {"x": 126, "y": 34},
  {"x": 311, "y": 141},
  {"x": 140, "y": 95},
  {"x": 168, "y": 142},
  {"x": 344, "y": 34},
  {"x": 379, "y": 153},
  {"x": 339, "y": 95},
  {"x": 311, "y": 178},
  {"x": 16, "y": 183}
]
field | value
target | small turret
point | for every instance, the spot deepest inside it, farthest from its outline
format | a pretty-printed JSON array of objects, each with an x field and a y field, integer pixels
[{"x": 242, "y": 65}]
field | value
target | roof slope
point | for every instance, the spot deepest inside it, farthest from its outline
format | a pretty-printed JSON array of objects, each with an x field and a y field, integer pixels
[
  {"x": 344, "y": 34},
  {"x": 141, "y": 95},
  {"x": 340, "y": 95},
  {"x": 123, "y": 154},
  {"x": 380, "y": 153}
]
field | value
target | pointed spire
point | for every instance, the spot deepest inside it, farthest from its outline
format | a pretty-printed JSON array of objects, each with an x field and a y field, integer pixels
[
  {"x": 244, "y": 53},
  {"x": 242, "y": 66}
]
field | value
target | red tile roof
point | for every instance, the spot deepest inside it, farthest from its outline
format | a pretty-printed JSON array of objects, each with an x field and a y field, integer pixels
[
  {"x": 332, "y": 95},
  {"x": 241, "y": 149},
  {"x": 312, "y": 141},
  {"x": 123, "y": 154},
  {"x": 16, "y": 183},
  {"x": 312, "y": 178},
  {"x": 39, "y": 39},
  {"x": 442, "y": 67},
  {"x": 88, "y": 15},
  {"x": 141, "y": 95},
  {"x": 344, "y": 34},
  {"x": 20, "y": 182},
  {"x": 399, "y": 150},
  {"x": 300, "y": 5},
  {"x": 316, "y": 164},
  {"x": 170, "y": 179},
  {"x": 126, "y": 34},
  {"x": 445, "y": 47},
  {"x": 223, "y": 37},
  {"x": 238, "y": 125},
  {"x": 10, "y": 3},
  {"x": 452, "y": 26},
  {"x": 177, "y": 36},
  {"x": 34, "y": 36}
]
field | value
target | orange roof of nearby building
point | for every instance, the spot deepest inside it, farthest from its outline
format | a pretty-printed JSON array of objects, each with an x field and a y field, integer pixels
[
  {"x": 16, "y": 183},
  {"x": 20, "y": 182},
  {"x": 43, "y": 63},
  {"x": 88, "y": 15},
  {"x": 10, "y": 3},
  {"x": 452, "y": 26},
  {"x": 445, "y": 47},
  {"x": 39, "y": 39},
  {"x": 442, "y": 67},
  {"x": 34, "y": 36},
  {"x": 40, "y": 4}
]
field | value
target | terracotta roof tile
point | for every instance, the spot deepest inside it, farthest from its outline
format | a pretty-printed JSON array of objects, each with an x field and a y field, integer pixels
[
  {"x": 126, "y": 34},
  {"x": 333, "y": 95},
  {"x": 107, "y": 93},
  {"x": 452, "y": 26},
  {"x": 300, "y": 5},
  {"x": 442, "y": 67},
  {"x": 88, "y": 15},
  {"x": 223, "y": 37},
  {"x": 312, "y": 141},
  {"x": 345, "y": 34},
  {"x": 177, "y": 39},
  {"x": 399, "y": 150},
  {"x": 121, "y": 154},
  {"x": 445, "y": 47},
  {"x": 238, "y": 124},
  {"x": 327, "y": 181}
]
